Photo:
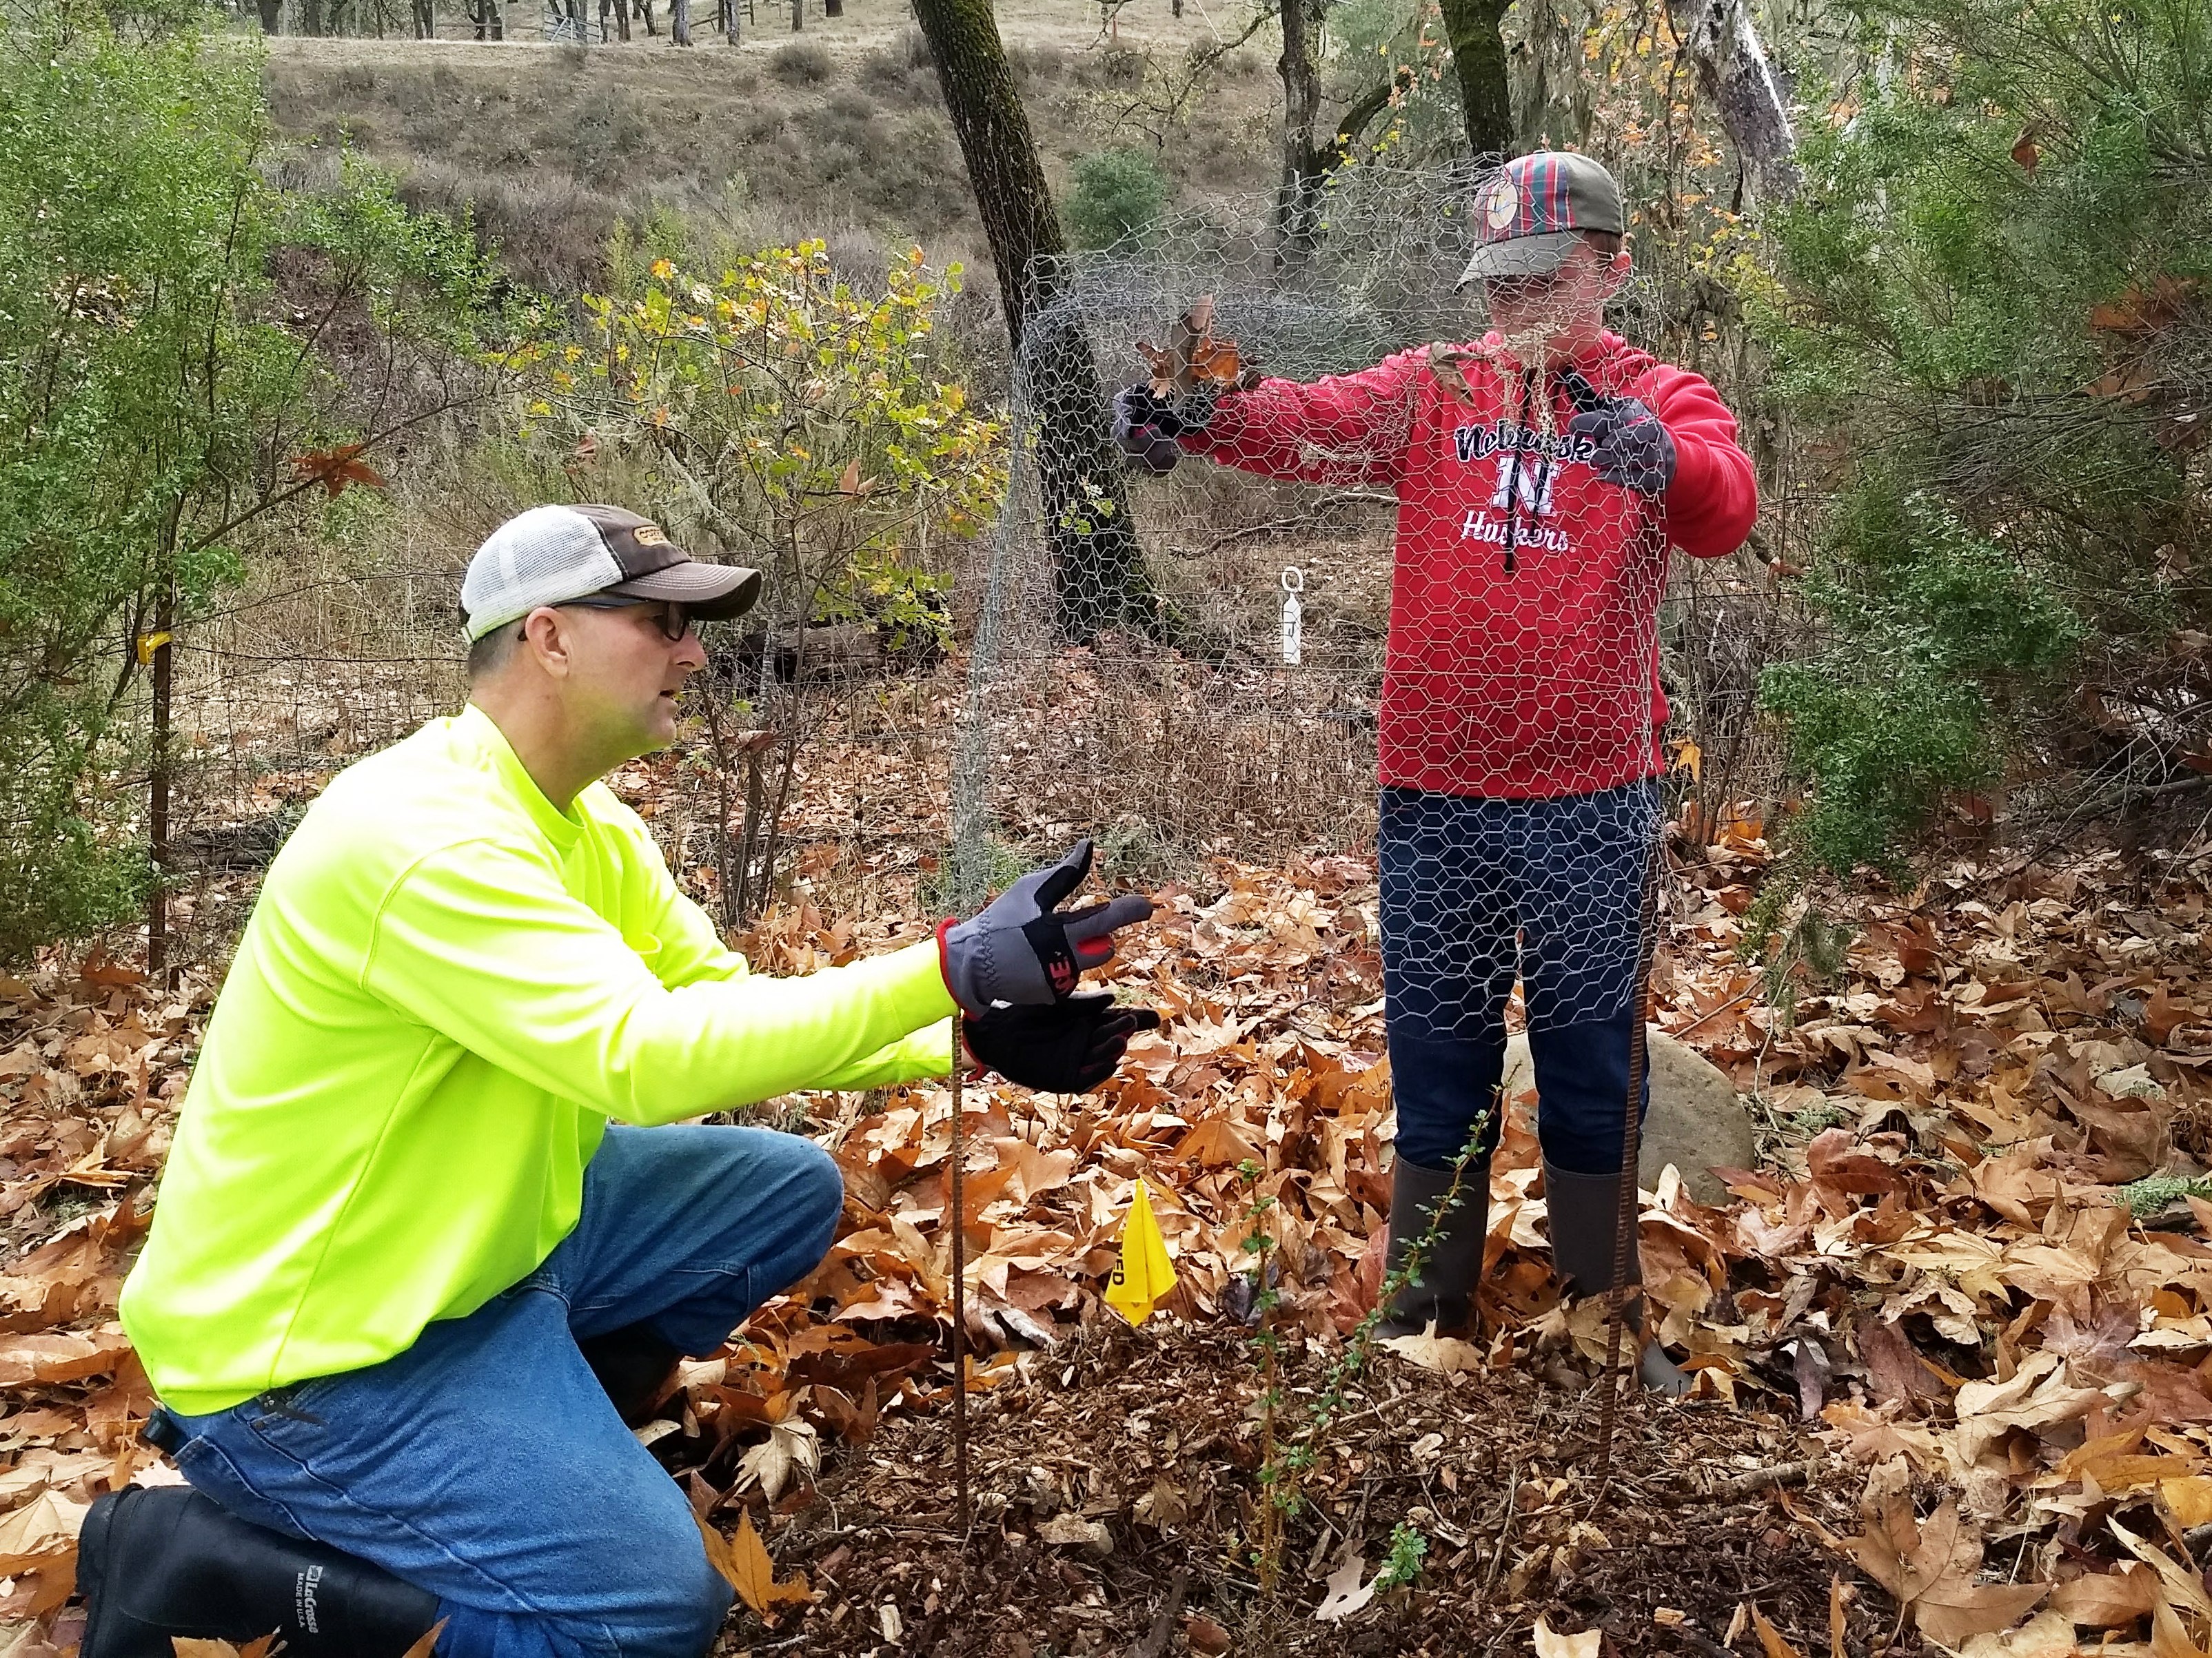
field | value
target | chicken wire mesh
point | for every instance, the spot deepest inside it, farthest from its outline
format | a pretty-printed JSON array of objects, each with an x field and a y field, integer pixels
[{"x": 1422, "y": 544}]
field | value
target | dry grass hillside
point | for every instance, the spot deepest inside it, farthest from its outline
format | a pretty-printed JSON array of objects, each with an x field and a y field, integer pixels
[{"x": 838, "y": 131}]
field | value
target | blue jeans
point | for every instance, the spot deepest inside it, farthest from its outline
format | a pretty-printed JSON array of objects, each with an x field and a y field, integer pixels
[
  {"x": 486, "y": 1464},
  {"x": 1478, "y": 893}
]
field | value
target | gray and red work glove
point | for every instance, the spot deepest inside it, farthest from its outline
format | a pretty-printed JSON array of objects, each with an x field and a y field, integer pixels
[
  {"x": 1023, "y": 949},
  {"x": 1146, "y": 424},
  {"x": 1633, "y": 448},
  {"x": 1064, "y": 1047}
]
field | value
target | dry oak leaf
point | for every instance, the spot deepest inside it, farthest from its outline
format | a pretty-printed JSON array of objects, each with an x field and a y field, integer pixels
[
  {"x": 2037, "y": 1396},
  {"x": 743, "y": 1561},
  {"x": 1550, "y": 1644},
  {"x": 2179, "y": 1588},
  {"x": 260, "y": 1646},
  {"x": 1833, "y": 1164},
  {"x": 336, "y": 468},
  {"x": 2047, "y": 1634},
  {"x": 2189, "y": 1496},
  {"x": 1346, "y": 1594},
  {"x": 1205, "y": 1637},
  {"x": 1772, "y": 1640},
  {"x": 1929, "y": 1570},
  {"x": 2140, "y": 310},
  {"x": 1444, "y": 1354},
  {"x": 55, "y": 1356},
  {"x": 41, "y": 1533},
  {"x": 791, "y": 1446},
  {"x": 2112, "y": 1600}
]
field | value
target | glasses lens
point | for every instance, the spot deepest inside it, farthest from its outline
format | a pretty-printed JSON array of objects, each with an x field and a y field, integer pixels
[{"x": 675, "y": 622}]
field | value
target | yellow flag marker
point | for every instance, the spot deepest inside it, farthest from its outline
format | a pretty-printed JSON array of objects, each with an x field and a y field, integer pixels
[{"x": 1144, "y": 1277}]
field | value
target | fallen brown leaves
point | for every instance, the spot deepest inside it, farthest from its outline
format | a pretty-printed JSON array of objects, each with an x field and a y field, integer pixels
[{"x": 1935, "y": 1266}]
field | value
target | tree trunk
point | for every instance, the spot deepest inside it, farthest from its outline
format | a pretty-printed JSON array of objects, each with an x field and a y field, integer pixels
[
  {"x": 311, "y": 16},
  {"x": 1098, "y": 569},
  {"x": 1734, "y": 69},
  {"x": 833, "y": 8},
  {"x": 798, "y": 16},
  {"x": 1307, "y": 163},
  {"x": 645, "y": 10},
  {"x": 1304, "y": 167},
  {"x": 426, "y": 19},
  {"x": 730, "y": 21},
  {"x": 1478, "y": 51},
  {"x": 157, "y": 789},
  {"x": 272, "y": 16},
  {"x": 679, "y": 22}
]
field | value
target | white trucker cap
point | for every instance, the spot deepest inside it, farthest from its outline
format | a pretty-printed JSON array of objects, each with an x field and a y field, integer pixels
[{"x": 557, "y": 555}]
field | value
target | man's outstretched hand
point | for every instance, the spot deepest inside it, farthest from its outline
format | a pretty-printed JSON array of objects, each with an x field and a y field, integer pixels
[
  {"x": 1065, "y": 1047},
  {"x": 1023, "y": 949}
]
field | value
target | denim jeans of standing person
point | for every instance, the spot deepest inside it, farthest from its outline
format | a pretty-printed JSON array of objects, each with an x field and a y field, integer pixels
[
  {"x": 1477, "y": 893},
  {"x": 486, "y": 1464}
]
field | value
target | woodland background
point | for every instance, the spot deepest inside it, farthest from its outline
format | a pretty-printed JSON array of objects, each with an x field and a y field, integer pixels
[{"x": 301, "y": 299}]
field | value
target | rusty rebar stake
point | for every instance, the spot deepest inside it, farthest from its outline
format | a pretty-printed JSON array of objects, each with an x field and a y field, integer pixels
[
  {"x": 959, "y": 1295},
  {"x": 1624, "y": 1294}
]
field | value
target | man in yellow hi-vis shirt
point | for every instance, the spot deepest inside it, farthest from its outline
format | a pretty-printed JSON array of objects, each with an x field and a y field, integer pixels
[{"x": 421, "y": 1246}]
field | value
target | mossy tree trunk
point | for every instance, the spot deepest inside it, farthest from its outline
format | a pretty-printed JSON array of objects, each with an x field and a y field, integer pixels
[
  {"x": 1472, "y": 28},
  {"x": 1099, "y": 578}
]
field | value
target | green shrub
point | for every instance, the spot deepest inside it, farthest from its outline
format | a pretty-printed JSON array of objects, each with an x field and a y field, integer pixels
[
  {"x": 158, "y": 393},
  {"x": 1933, "y": 632},
  {"x": 2003, "y": 422},
  {"x": 1117, "y": 193}
]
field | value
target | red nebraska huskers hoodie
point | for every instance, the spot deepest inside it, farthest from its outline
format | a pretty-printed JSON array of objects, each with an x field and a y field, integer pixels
[{"x": 1523, "y": 655}]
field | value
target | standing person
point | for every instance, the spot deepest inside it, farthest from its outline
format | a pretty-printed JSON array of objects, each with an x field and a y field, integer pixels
[
  {"x": 429, "y": 1239},
  {"x": 1541, "y": 476}
]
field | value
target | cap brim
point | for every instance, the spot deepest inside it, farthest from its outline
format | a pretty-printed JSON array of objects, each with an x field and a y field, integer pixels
[
  {"x": 1524, "y": 255},
  {"x": 713, "y": 593}
]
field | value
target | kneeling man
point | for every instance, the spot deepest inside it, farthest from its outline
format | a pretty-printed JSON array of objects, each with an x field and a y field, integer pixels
[{"x": 430, "y": 1233}]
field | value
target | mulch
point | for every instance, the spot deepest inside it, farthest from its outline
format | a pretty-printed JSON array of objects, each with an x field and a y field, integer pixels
[{"x": 1155, "y": 1435}]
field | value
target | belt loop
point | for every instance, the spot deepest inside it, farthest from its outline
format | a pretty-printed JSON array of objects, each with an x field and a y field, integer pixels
[{"x": 162, "y": 1432}]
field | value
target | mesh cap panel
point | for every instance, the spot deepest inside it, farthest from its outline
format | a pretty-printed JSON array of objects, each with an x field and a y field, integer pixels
[{"x": 547, "y": 555}]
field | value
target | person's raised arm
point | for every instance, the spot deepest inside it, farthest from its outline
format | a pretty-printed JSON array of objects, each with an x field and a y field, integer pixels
[
  {"x": 1713, "y": 499},
  {"x": 1342, "y": 430}
]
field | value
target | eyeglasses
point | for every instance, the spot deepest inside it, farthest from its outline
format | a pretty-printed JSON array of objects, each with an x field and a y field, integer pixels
[{"x": 674, "y": 621}]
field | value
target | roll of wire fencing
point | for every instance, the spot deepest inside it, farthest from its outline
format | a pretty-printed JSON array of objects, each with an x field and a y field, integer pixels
[{"x": 1388, "y": 530}]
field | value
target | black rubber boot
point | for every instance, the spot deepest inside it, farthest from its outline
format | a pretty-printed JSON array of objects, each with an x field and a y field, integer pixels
[
  {"x": 1585, "y": 1212},
  {"x": 633, "y": 1365},
  {"x": 158, "y": 1561},
  {"x": 1443, "y": 1293}
]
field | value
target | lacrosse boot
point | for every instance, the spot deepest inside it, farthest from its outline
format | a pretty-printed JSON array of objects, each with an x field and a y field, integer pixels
[
  {"x": 156, "y": 1562},
  {"x": 1442, "y": 1292},
  {"x": 634, "y": 1366},
  {"x": 1585, "y": 1221}
]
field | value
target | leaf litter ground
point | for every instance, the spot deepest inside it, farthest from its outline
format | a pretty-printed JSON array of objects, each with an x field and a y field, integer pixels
[{"x": 1952, "y": 1337}]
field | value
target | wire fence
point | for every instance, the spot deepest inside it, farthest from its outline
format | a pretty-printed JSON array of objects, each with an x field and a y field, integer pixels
[{"x": 1245, "y": 719}]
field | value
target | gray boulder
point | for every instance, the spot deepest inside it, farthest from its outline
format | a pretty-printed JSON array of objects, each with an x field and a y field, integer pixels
[{"x": 1697, "y": 1122}]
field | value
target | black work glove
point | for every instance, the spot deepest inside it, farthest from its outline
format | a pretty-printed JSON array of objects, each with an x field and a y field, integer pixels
[
  {"x": 1023, "y": 949},
  {"x": 1146, "y": 424},
  {"x": 1065, "y": 1047},
  {"x": 1633, "y": 449}
]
